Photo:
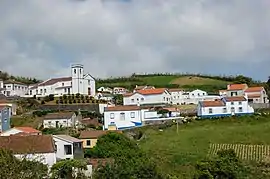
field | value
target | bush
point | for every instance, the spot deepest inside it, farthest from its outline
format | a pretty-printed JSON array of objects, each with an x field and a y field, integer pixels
[
  {"x": 60, "y": 97},
  {"x": 70, "y": 101},
  {"x": 38, "y": 98},
  {"x": 46, "y": 98},
  {"x": 83, "y": 101},
  {"x": 51, "y": 97},
  {"x": 78, "y": 101},
  {"x": 42, "y": 102},
  {"x": 72, "y": 96},
  {"x": 64, "y": 97},
  {"x": 82, "y": 97},
  {"x": 78, "y": 95},
  {"x": 87, "y": 101},
  {"x": 34, "y": 96},
  {"x": 74, "y": 101},
  {"x": 61, "y": 101},
  {"x": 65, "y": 101},
  {"x": 57, "y": 101}
]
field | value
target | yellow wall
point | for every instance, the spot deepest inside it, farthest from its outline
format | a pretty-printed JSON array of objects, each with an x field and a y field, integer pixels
[
  {"x": 112, "y": 128},
  {"x": 93, "y": 143}
]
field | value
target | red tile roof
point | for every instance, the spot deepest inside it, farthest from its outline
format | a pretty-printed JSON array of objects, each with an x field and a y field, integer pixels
[
  {"x": 151, "y": 91},
  {"x": 128, "y": 94},
  {"x": 216, "y": 103},
  {"x": 235, "y": 98},
  {"x": 251, "y": 96},
  {"x": 123, "y": 108},
  {"x": 27, "y": 129},
  {"x": 237, "y": 86},
  {"x": 254, "y": 89},
  {"x": 28, "y": 144},
  {"x": 175, "y": 90}
]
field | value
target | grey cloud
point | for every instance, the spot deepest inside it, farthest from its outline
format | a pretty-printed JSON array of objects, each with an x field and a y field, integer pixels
[{"x": 42, "y": 38}]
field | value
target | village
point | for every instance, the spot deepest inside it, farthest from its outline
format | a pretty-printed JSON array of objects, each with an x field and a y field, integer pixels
[{"x": 144, "y": 105}]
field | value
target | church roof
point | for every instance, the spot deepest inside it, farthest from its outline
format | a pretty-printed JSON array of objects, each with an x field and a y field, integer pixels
[{"x": 52, "y": 81}]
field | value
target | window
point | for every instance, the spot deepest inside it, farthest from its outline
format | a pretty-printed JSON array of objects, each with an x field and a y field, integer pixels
[
  {"x": 240, "y": 109},
  {"x": 65, "y": 90},
  {"x": 89, "y": 83},
  {"x": 224, "y": 110},
  {"x": 232, "y": 103},
  {"x": 164, "y": 98},
  {"x": 88, "y": 142},
  {"x": 132, "y": 100},
  {"x": 55, "y": 147},
  {"x": 232, "y": 109},
  {"x": 137, "y": 99},
  {"x": 210, "y": 110},
  {"x": 68, "y": 149},
  {"x": 240, "y": 103},
  {"x": 74, "y": 71},
  {"x": 142, "y": 99},
  {"x": 45, "y": 91},
  {"x": 112, "y": 115},
  {"x": 63, "y": 84},
  {"x": 40, "y": 90},
  {"x": 198, "y": 94},
  {"x": 80, "y": 71},
  {"x": 132, "y": 114},
  {"x": 122, "y": 116}
]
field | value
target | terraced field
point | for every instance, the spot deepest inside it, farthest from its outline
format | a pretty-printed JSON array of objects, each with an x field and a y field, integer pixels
[{"x": 245, "y": 152}]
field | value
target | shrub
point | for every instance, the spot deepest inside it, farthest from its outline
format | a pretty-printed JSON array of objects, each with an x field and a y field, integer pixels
[
  {"x": 64, "y": 97},
  {"x": 60, "y": 97},
  {"x": 57, "y": 101},
  {"x": 42, "y": 102},
  {"x": 72, "y": 96},
  {"x": 87, "y": 101},
  {"x": 61, "y": 101},
  {"x": 83, "y": 101},
  {"x": 74, "y": 101},
  {"x": 78, "y": 95},
  {"x": 46, "y": 98},
  {"x": 70, "y": 101},
  {"x": 82, "y": 97},
  {"x": 38, "y": 98},
  {"x": 65, "y": 101},
  {"x": 78, "y": 101},
  {"x": 34, "y": 96},
  {"x": 51, "y": 97}
]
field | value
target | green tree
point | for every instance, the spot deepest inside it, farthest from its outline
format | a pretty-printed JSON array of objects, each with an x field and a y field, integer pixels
[
  {"x": 13, "y": 168},
  {"x": 225, "y": 166},
  {"x": 243, "y": 79},
  {"x": 118, "y": 99},
  {"x": 68, "y": 169},
  {"x": 129, "y": 161}
]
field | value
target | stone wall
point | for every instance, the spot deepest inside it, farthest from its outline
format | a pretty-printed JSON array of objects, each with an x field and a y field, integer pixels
[{"x": 64, "y": 107}]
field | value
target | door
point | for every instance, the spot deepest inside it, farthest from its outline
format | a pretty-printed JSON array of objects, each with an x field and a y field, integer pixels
[
  {"x": 122, "y": 116},
  {"x": 57, "y": 124},
  {"x": 89, "y": 91}
]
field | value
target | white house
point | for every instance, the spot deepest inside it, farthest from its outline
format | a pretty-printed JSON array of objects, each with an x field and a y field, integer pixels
[
  {"x": 148, "y": 96},
  {"x": 33, "y": 147},
  {"x": 119, "y": 90},
  {"x": 62, "y": 119},
  {"x": 21, "y": 131},
  {"x": 227, "y": 106},
  {"x": 123, "y": 117},
  {"x": 68, "y": 147},
  {"x": 13, "y": 88},
  {"x": 254, "y": 94},
  {"x": 179, "y": 96},
  {"x": 104, "y": 96},
  {"x": 78, "y": 82},
  {"x": 103, "y": 89}
]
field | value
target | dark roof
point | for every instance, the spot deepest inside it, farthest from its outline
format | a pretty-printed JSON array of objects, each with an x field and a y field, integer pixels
[
  {"x": 123, "y": 108},
  {"x": 14, "y": 82},
  {"x": 235, "y": 98},
  {"x": 62, "y": 115},
  {"x": 28, "y": 144},
  {"x": 94, "y": 134},
  {"x": 52, "y": 81}
]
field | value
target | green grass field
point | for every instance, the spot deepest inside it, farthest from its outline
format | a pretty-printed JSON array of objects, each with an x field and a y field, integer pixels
[
  {"x": 177, "y": 153},
  {"x": 185, "y": 82}
]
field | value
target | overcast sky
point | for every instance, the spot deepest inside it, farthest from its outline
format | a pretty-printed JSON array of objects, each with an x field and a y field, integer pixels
[{"x": 41, "y": 38}]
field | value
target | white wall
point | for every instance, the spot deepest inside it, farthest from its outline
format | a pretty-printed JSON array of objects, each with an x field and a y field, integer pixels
[
  {"x": 45, "y": 158},
  {"x": 60, "y": 152},
  {"x": 114, "y": 116},
  {"x": 63, "y": 122},
  {"x": 147, "y": 99}
]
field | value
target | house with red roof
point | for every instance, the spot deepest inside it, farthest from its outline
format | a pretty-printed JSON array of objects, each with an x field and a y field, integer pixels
[
  {"x": 254, "y": 94},
  {"x": 147, "y": 96},
  {"x": 21, "y": 131},
  {"x": 226, "y": 106}
]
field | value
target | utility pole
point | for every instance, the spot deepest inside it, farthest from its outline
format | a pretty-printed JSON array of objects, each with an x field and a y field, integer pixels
[{"x": 177, "y": 126}]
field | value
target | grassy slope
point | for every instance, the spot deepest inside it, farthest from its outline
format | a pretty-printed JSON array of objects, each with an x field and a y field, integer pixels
[
  {"x": 182, "y": 82},
  {"x": 178, "y": 153}
]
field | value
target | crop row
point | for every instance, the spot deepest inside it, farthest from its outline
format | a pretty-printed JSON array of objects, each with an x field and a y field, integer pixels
[{"x": 245, "y": 152}]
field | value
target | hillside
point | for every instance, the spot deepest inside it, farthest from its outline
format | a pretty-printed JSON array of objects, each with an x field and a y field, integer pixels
[
  {"x": 178, "y": 153},
  {"x": 26, "y": 80},
  {"x": 188, "y": 81}
]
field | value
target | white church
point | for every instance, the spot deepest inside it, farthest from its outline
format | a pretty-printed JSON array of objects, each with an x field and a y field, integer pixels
[{"x": 78, "y": 82}]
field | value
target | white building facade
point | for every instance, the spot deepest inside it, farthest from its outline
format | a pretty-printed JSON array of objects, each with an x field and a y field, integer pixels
[
  {"x": 227, "y": 106},
  {"x": 57, "y": 120},
  {"x": 123, "y": 117},
  {"x": 78, "y": 82},
  {"x": 147, "y": 96},
  {"x": 13, "y": 88}
]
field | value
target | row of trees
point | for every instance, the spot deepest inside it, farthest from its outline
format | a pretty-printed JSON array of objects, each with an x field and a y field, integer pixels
[{"x": 5, "y": 76}]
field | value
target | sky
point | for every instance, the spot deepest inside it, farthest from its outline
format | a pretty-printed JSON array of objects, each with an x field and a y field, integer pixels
[{"x": 120, "y": 37}]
